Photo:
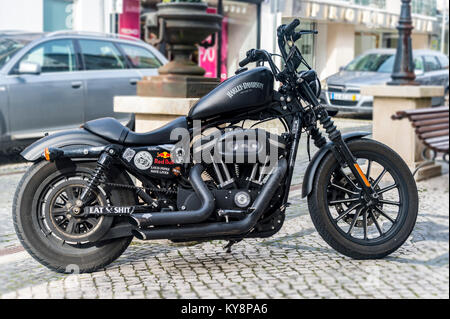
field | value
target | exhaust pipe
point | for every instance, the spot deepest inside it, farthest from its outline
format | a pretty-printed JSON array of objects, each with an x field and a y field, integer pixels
[
  {"x": 143, "y": 220},
  {"x": 221, "y": 229}
]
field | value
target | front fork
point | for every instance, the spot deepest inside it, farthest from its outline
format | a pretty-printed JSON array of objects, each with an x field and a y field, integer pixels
[
  {"x": 343, "y": 153},
  {"x": 340, "y": 148}
]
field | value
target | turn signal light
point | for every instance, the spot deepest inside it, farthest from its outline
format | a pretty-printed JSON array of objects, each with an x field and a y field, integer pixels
[{"x": 47, "y": 154}]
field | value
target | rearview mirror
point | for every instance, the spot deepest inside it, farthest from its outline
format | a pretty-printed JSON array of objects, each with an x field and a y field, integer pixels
[{"x": 29, "y": 68}]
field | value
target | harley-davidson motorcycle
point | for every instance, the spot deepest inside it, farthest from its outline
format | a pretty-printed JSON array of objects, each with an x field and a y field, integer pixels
[{"x": 206, "y": 176}]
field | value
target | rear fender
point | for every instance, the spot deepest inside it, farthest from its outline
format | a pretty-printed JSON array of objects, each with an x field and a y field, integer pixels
[
  {"x": 78, "y": 137},
  {"x": 310, "y": 173}
]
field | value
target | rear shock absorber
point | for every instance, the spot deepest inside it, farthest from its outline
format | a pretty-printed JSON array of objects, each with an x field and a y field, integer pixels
[{"x": 96, "y": 177}]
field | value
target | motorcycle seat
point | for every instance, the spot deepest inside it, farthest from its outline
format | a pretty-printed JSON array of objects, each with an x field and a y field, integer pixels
[{"x": 112, "y": 130}]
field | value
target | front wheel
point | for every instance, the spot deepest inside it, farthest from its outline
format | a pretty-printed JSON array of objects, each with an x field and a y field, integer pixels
[{"x": 349, "y": 223}]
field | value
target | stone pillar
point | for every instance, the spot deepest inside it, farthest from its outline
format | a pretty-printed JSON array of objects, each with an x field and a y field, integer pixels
[
  {"x": 399, "y": 134},
  {"x": 153, "y": 112}
]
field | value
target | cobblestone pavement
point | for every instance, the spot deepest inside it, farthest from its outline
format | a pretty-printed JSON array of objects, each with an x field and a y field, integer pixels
[{"x": 295, "y": 263}]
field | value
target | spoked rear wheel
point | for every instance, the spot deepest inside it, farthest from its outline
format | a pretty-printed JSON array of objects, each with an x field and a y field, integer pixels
[
  {"x": 46, "y": 214},
  {"x": 354, "y": 225}
]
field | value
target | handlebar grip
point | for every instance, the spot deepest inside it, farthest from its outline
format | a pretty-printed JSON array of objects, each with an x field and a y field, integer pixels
[
  {"x": 244, "y": 62},
  {"x": 291, "y": 27}
]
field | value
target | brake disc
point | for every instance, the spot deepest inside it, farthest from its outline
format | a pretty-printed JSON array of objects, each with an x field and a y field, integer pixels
[{"x": 337, "y": 194}]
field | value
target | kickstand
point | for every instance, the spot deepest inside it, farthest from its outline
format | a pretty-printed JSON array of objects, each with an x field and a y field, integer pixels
[{"x": 228, "y": 246}]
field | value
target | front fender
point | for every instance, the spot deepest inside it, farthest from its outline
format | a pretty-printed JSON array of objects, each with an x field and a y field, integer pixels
[
  {"x": 78, "y": 137},
  {"x": 308, "y": 179}
]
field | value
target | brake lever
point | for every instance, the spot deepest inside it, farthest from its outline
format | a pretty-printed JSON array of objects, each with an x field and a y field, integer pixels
[{"x": 299, "y": 34}]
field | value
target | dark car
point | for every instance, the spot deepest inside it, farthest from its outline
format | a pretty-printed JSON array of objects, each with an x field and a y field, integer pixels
[
  {"x": 341, "y": 91},
  {"x": 57, "y": 81}
]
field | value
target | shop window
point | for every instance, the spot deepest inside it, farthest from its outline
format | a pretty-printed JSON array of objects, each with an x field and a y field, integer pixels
[
  {"x": 52, "y": 56},
  {"x": 241, "y": 31},
  {"x": 58, "y": 15},
  {"x": 140, "y": 58},
  {"x": 425, "y": 7},
  {"x": 381, "y": 4},
  {"x": 366, "y": 41},
  {"x": 101, "y": 55}
]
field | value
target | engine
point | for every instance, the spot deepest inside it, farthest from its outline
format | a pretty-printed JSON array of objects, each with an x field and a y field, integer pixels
[{"x": 238, "y": 162}]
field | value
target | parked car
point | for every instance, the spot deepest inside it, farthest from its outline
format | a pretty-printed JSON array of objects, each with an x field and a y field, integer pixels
[
  {"x": 57, "y": 81},
  {"x": 341, "y": 91}
]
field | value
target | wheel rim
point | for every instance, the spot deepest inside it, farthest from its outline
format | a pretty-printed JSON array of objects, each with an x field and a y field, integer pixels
[
  {"x": 352, "y": 214},
  {"x": 64, "y": 208},
  {"x": 42, "y": 220}
]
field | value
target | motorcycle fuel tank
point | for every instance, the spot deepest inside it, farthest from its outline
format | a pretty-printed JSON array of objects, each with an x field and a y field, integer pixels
[{"x": 243, "y": 91}]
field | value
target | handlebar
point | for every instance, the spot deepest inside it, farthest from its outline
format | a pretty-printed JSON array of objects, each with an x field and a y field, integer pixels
[
  {"x": 299, "y": 34},
  {"x": 291, "y": 27},
  {"x": 246, "y": 61},
  {"x": 254, "y": 55},
  {"x": 285, "y": 33}
]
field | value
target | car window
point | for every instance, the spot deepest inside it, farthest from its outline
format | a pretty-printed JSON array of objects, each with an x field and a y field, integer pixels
[
  {"x": 52, "y": 56},
  {"x": 431, "y": 63},
  {"x": 418, "y": 64},
  {"x": 140, "y": 58},
  {"x": 369, "y": 62},
  {"x": 443, "y": 60},
  {"x": 101, "y": 55},
  {"x": 388, "y": 65},
  {"x": 9, "y": 47}
]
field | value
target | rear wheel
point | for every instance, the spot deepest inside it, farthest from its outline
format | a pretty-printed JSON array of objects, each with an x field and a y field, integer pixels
[
  {"x": 350, "y": 223},
  {"x": 46, "y": 221}
]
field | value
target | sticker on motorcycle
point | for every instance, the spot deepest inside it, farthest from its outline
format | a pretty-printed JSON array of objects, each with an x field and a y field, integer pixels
[
  {"x": 128, "y": 154},
  {"x": 143, "y": 160},
  {"x": 164, "y": 155}
]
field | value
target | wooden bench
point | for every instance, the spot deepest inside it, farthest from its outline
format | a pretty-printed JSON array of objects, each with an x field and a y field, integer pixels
[{"x": 432, "y": 128}]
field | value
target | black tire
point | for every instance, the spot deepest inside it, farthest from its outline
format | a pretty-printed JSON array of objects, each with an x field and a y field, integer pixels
[
  {"x": 50, "y": 250},
  {"x": 407, "y": 212}
]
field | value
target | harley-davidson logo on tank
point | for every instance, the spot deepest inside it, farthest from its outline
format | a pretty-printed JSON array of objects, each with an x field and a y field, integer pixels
[
  {"x": 155, "y": 161},
  {"x": 244, "y": 87}
]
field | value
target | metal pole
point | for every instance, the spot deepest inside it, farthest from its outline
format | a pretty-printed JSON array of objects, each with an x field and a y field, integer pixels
[
  {"x": 403, "y": 71},
  {"x": 444, "y": 23},
  {"x": 258, "y": 26},
  {"x": 219, "y": 43}
]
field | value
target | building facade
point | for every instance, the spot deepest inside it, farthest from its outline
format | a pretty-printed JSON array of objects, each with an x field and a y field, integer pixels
[
  {"x": 77, "y": 15},
  {"x": 348, "y": 28}
]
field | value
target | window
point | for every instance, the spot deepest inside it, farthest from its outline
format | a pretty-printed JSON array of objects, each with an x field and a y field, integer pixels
[
  {"x": 9, "y": 47},
  {"x": 431, "y": 63},
  {"x": 381, "y": 63},
  {"x": 443, "y": 60},
  {"x": 373, "y": 62},
  {"x": 101, "y": 55},
  {"x": 418, "y": 65},
  {"x": 52, "y": 56},
  {"x": 140, "y": 58},
  {"x": 371, "y": 3}
]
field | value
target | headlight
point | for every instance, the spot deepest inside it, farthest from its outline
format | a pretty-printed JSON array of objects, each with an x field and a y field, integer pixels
[{"x": 324, "y": 85}]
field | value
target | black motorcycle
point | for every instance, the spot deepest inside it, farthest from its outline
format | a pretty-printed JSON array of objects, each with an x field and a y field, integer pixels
[{"x": 91, "y": 190}]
